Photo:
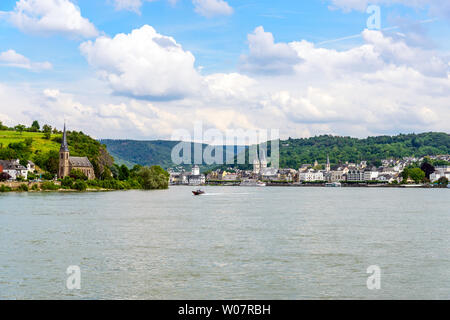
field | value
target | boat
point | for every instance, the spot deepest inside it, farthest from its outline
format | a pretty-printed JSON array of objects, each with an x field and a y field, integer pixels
[
  {"x": 260, "y": 184},
  {"x": 333, "y": 185},
  {"x": 198, "y": 192}
]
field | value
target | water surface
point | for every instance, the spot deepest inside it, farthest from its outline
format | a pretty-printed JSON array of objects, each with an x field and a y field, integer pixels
[{"x": 233, "y": 243}]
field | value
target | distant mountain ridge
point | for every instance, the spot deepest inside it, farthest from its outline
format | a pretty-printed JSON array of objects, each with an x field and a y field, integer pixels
[
  {"x": 295, "y": 152},
  {"x": 153, "y": 152}
]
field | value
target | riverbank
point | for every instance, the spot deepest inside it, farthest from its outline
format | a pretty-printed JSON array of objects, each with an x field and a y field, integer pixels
[{"x": 323, "y": 185}]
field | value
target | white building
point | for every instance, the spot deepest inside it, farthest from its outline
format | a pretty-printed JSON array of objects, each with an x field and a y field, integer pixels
[
  {"x": 435, "y": 176},
  {"x": 14, "y": 169},
  {"x": 196, "y": 180},
  {"x": 370, "y": 175},
  {"x": 195, "y": 170},
  {"x": 311, "y": 175},
  {"x": 335, "y": 176},
  {"x": 269, "y": 173},
  {"x": 355, "y": 175}
]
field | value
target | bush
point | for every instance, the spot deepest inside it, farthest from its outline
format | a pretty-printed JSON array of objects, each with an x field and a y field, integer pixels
[
  {"x": 67, "y": 183},
  {"x": 31, "y": 176},
  {"x": 23, "y": 187},
  {"x": 77, "y": 174},
  {"x": 35, "y": 187},
  {"x": 4, "y": 176},
  {"x": 48, "y": 176},
  {"x": 443, "y": 181},
  {"x": 49, "y": 186},
  {"x": 4, "y": 188},
  {"x": 80, "y": 185},
  {"x": 153, "y": 178}
]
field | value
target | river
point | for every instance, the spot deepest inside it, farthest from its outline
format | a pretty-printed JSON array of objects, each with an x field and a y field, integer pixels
[{"x": 232, "y": 243}]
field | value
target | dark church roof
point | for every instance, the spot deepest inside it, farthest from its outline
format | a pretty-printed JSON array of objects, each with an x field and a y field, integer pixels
[
  {"x": 64, "y": 145},
  {"x": 80, "y": 162}
]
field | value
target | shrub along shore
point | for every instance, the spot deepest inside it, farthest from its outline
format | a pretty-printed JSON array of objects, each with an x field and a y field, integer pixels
[{"x": 139, "y": 178}]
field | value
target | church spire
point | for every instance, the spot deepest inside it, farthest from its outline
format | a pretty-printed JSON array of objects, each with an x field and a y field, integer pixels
[
  {"x": 328, "y": 163},
  {"x": 64, "y": 145}
]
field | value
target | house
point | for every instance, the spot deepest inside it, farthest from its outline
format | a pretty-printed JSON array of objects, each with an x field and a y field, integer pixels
[
  {"x": 435, "y": 176},
  {"x": 226, "y": 176},
  {"x": 311, "y": 175},
  {"x": 269, "y": 173},
  {"x": 31, "y": 167},
  {"x": 355, "y": 175},
  {"x": 335, "y": 176},
  {"x": 386, "y": 178},
  {"x": 287, "y": 174},
  {"x": 14, "y": 169},
  {"x": 195, "y": 178},
  {"x": 370, "y": 175}
]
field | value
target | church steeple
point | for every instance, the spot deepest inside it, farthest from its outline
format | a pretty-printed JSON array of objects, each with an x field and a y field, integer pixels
[
  {"x": 64, "y": 145},
  {"x": 64, "y": 162}
]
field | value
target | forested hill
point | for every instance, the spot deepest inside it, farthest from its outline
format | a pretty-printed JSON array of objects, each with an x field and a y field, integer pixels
[
  {"x": 295, "y": 152},
  {"x": 157, "y": 152}
]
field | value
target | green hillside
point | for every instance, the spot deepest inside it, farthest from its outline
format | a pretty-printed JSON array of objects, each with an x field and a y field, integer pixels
[
  {"x": 295, "y": 152},
  {"x": 44, "y": 152},
  {"x": 39, "y": 142}
]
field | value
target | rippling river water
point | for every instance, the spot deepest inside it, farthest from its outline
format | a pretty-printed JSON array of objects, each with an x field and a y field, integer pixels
[{"x": 233, "y": 243}]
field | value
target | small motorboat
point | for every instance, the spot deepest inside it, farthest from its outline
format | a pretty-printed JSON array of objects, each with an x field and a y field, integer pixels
[{"x": 198, "y": 192}]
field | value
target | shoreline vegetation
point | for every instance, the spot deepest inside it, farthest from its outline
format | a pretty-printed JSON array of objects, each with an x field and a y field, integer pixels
[
  {"x": 23, "y": 188},
  {"x": 138, "y": 178}
]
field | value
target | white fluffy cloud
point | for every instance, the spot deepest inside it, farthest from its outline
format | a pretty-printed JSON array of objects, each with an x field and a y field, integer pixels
[
  {"x": 383, "y": 86},
  {"x": 268, "y": 57},
  {"x": 143, "y": 64},
  {"x": 51, "y": 16},
  {"x": 11, "y": 58},
  {"x": 212, "y": 8}
]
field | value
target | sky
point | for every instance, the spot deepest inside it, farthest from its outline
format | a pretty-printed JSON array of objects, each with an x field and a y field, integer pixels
[{"x": 143, "y": 69}]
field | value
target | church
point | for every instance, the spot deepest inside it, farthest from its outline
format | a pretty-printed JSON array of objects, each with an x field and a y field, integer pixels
[{"x": 68, "y": 163}]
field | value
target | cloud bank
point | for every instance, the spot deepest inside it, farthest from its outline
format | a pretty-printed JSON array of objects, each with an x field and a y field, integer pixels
[{"x": 46, "y": 17}]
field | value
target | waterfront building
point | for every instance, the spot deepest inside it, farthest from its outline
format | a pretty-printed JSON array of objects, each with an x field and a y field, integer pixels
[
  {"x": 386, "y": 178},
  {"x": 68, "y": 163},
  {"x": 355, "y": 175},
  {"x": 441, "y": 172},
  {"x": 195, "y": 170},
  {"x": 269, "y": 174},
  {"x": 311, "y": 175},
  {"x": 196, "y": 180},
  {"x": 14, "y": 169},
  {"x": 370, "y": 175},
  {"x": 334, "y": 176},
  {"x": 31, "y": 167}
]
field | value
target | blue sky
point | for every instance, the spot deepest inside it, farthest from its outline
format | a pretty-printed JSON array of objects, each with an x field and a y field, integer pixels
[{"x": 217, "y": 41}]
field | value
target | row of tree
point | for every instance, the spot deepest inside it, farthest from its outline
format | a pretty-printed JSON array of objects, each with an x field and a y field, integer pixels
[{"x": 35, "y": 127}]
